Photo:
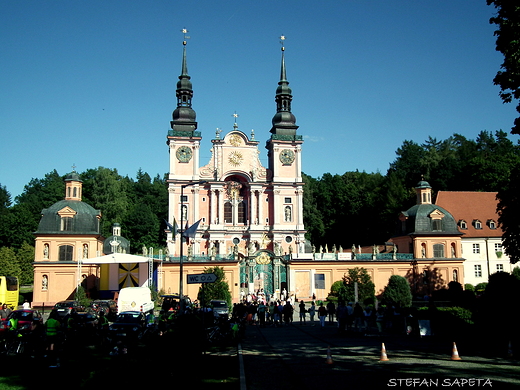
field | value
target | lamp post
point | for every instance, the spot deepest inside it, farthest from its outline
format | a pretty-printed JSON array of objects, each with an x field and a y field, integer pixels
[{"x": 181, "y": 261}]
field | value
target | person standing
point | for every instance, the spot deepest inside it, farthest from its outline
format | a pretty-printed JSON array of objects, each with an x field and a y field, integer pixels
[
  {"x": 331, "y": 309},
  {"x": 342, "y": 315},
  {"x": 312, "y": 312},
  {"x": 302, "y": 312},
  {"x": 261, "y": 313},
  {"x": 322, "y": 314}
]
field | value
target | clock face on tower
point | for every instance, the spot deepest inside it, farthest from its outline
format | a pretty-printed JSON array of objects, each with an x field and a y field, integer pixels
[
  {"x": 184, "y": 154},
  {"x": 287, "y": 156}
]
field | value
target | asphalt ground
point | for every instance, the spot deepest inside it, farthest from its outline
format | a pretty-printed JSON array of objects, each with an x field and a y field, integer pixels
[{"x": 296, "y": 357}]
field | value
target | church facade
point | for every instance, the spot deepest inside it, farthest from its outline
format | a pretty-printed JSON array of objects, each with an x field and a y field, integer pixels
[
  {"x": 242, "y": 216},
  {"x": 248, "y": 214}
]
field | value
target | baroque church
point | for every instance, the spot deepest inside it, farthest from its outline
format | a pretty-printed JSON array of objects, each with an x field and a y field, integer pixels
[
  {"x": 242, "y": 216},
  {"x": 248, "y": 213}
]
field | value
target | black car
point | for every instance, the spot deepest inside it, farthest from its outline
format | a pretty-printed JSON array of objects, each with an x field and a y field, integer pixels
[
  {"x": 171, "y": 302},
  {"x": 64, "y": 308},
  {"x": 107, "y": 306},
  {"x": 129, "y": 325}
]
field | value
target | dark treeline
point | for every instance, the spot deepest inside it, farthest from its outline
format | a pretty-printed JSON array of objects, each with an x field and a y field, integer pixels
[
  {"x": 353, "y": 208},
  {"x": 361, "y": 208}
]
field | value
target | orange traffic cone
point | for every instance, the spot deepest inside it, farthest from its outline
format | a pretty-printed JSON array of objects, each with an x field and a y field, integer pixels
[
  {"x": 383, "y": 358},
  {"x": 329, "y": 356},
  {"x": 455, "y": 353}
]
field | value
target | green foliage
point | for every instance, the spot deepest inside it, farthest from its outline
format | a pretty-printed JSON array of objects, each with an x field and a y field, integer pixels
[
  {"x": 508, "y": 211},
  {"x": 366, "y": 288},
  {"x": 335, "y": 288},
  {"x": 469, "y": 287},
  {"x": 480, "y": 288},
  {"x": 25, "y": 258},
  {"x": 507, "y": 18},
  {"x": 81, "y": 296},
  {"x": 454, "y": 314},
  {"x": 397, "y": 292},
  {"x": 8, "y": 263},
  {"x": 218, "y": 290}
]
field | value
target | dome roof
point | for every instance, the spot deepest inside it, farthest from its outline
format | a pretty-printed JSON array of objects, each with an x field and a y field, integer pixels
[
  {"x": 419, "y": 220},
  {"x": 116, "y": 244},
  {"x": 85, "y": 219}
]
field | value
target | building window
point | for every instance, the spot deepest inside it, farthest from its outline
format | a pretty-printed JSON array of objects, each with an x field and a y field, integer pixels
[
  {"x": 463, "y": 224},
  {"x": 287, "y": 200},
  {"x": 438, "y": 250},
  {"x": 66, "y": 224},
  {"x": 476, "y": 248},
  {"x": 492, "y": 224},
  {"x": 184, "y": 198},
  {"x": 498, "y": 247},
  {"x": 477, "y": 224},
  {"x": 500, "y": 267},
  {"x": 228, "y": 213},
  {"x": 66, "y": 252},
  {"x": 478, "y": 271},
  {"x": 436, "y": 225},
  {"x": 242, "y": 212}
]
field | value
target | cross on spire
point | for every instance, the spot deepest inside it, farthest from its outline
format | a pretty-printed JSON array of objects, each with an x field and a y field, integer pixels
[
  {"x": 184, "y": 31},
  {"x": 282, "y": 41}
]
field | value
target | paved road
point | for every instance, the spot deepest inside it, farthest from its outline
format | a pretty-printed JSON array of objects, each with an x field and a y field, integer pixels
[{"x": 295, "y": 357}]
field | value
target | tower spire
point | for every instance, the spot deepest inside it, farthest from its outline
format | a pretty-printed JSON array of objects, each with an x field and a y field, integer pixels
[
  {"x": 284, "y": 122},
  {"x": 184, "y": 117}
]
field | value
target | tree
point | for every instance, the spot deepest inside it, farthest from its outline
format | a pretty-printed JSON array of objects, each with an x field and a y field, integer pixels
[
  {"x": 8, "y": 263},
  {"x": 25, "y": 259},
  {"x": 106, "y": 190},
  {"x": 218, "y": 290},
  {"x": 507, "y": 19},
  {"x": 508, "y": 215},
  {"x": 365, "y": 286},
  {"x": 397, "y": 292}
]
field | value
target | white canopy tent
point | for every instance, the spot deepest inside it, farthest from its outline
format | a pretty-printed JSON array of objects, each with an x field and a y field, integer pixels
[
  {"x": 121, "y": 258},
  {"x": 118, "y": 258}
]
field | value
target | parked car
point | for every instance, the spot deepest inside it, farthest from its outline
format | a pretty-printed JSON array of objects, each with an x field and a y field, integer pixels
[
  {"x": 129, "y": 325},
  {"x": 220, "y": 308},
  {"x": 171, "y": 302},
  {"x": 107, "y": 306},
  {"x": 64, "y": 308},
  {"x": 25, "y": 318}
]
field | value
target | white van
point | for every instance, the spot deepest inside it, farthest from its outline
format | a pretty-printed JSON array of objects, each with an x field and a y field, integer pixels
[{"x": 135, "y": 299}]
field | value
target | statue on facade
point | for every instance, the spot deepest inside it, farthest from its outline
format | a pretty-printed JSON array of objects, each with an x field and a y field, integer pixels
[{"x": 277, "y": 249}]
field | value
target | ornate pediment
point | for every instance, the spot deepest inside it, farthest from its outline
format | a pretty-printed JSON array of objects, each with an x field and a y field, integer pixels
[{"x": 67, "y": 212}]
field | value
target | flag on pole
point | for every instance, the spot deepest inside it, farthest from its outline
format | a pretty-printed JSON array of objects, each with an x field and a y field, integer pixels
[
  {"x": 192, "y": 230},
  {"x": 172, "y": 228}
]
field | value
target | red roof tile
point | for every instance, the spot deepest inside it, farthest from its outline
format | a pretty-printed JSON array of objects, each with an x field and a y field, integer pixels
[{"x": 472, "y": 206}]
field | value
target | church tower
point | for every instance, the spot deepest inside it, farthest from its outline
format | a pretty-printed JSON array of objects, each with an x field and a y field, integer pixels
[
  {"x": 250, "y": 216},
  {"x": 284, "y": 152},
  {"x": 184, "y": 143}
]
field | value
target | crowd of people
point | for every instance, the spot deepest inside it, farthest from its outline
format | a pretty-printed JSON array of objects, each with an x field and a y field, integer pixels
[{"x": 347, "y": 316}]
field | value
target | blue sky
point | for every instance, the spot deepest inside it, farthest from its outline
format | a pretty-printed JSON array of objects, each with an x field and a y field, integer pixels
[{"x": 92, "y": 83}]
